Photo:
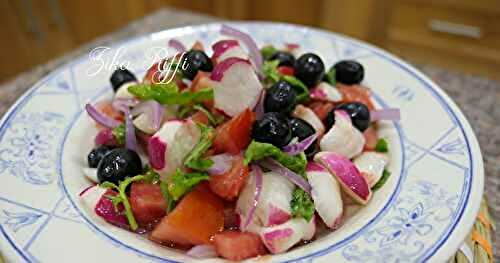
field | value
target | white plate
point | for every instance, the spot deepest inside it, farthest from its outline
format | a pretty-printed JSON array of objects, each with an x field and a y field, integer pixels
[{"x": 422, "y": 213}]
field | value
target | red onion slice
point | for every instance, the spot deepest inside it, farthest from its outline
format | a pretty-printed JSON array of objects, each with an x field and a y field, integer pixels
[
  {"x": 221, "y": 47},
  {"x": 390, "y": 114},
  {"x": 202, "y": 251},
  {"x": 221, "y": 67},
  {"x": 256, "y": 196},
  {"x": 298, "y": 180},
  {"x": 122, "y": 104},
  {"x": 222, "y": 163},
  {"x": 130, "y": 139},
  {"x": 177, "y": 45},
  {"x": 255, "y": 55},
  {"x": 153, "y": 109},
  {"x": 101, "y": 118},
  {"x": 296, "y": 148},
  {"x": 259, "y": 108},
  {"x": 292, "y": 46}
]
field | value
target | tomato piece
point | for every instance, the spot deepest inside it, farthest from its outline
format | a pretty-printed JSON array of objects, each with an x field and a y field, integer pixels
[
  {"x": 229, "y": 184},
  {"x": 234, "y": 135},
  {"x": 371, "y": 138},
  {"x": 147, "y": 203},
  {"x": 321, "y": 108},
  {"x": 286, "y": 70},
  {"x": 200, "y": 117},
  {"x": 198, "y": 46},
  {"x": 107, "y": 109},
  {"x": 235, "y": 245},
  {"x": 197, "y": 217},
  {"x": 200, "y": 81},
  {"x": 356, "y": 93}
]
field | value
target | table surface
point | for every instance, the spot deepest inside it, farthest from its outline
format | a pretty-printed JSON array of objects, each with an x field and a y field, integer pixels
[{"x": 477, "y": 97}]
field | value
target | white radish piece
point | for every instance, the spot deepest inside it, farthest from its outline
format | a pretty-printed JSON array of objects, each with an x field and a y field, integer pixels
[
  {"x": 310, "y": 117},
  {"x": 343, "y": 138},
  {"x": 168, "y": 147},
  {"x": 280, "y": 238},
  {"x": 326, "y": 92},
  {"x": 351, "y": 180},
  {"x": 123, "y": 93},
  {"x": 274, "y": 202},
  {"x": 371, "y": 165},
  {"x": 237, "y": 88},
  {"x": 326, "y": 194},
  {"x": 232, "y": 52},
  {"x": 91, "y": 174},
  {"x": 310, "y": 229}
]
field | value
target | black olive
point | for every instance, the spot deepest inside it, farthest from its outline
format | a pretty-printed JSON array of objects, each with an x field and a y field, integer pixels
[
  {"x": 118, "y": 164},
  {"x": 280, "y": 98},
  {"x": 195, "y": 60},
  {"x": 349, "y": 72},
  {"x": 309, "y": 68},
  {"x": 96, "y": 155},
  {"x": 285, "y": 58},
  {"x": 273, "y": 128},
  {"x": 302, "y": 129},
  {"x": 121, "y": 76},
  {"x": 330, "y": 119},
  {"x": 359, "y": 113}
]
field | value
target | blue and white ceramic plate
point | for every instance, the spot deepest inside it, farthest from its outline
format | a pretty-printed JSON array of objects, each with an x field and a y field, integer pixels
[{"x": 423, "y": 213}]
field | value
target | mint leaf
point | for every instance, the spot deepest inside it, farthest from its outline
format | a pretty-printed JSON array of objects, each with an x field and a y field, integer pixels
[
  {"x": 268, "y": 51},
  {"x": 299, "y": 87},
  {"x": 385, "y": 175},
  {"x": 302, "y": 204},
  {"x": 330, "y": 76},
  {"x": 182, "y": 182},
  {"x": 382, "y": 146},
  {"x": 169, "y": 94},
  {"x": 270, "y": 71},
  {"x": 168, "y": 198},
  {"x": 193, "y": 159},
  {"x": 259, "y": 150},
  {"x": 119, "y": 133}
]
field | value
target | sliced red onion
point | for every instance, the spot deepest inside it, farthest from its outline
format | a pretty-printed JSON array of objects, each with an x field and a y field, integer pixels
[
  {"x": 202, "y": 251},
  {"x": 221, "y": 67},
  {"x": 105, "y": 137},
  {"x": 298, "y": 180},
  {"x": 130, "y": 139},
  {"x": 256, "y": 196},
  {"x": 296, "y": 148},
  {"x": 86, "y": 189},
  {"x": 122, "y": 104},
  {"x": 222, "y": 163},
  {"x": 259, "y": 108},
  {"x": 101, "y": 118},
  {"x": 292, "y": 46},
  {"x": 255, "y": 54},
  {"x": 221, "y": 47},
  {"x": 177, "y": 45},
  {"x": 153, "y": 109},
  {"x": 390, "y": 114}
]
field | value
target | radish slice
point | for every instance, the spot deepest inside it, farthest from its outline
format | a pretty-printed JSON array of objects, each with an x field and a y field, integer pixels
[
  {"x": 202, "y": 251},
  {"x": 326, "y": 195},
  {"x": 221, "y": 47},
  {"x": 280, "y": 238},
  {"x": 91, "y": 174},
  {"x": 347, "y": 175},
  {"x": 296, "y": 148},
  {"x": 105, "y": 137},
  {"x": 236, "y": 79},
  {"x": 310, "y": 117},
  {"x": 258, "y": 189},
  {"x": 177, "y": 45},
  {"x": 371, "y": 165},
  {"x": 222, "y": 163},
  {"x": 385, "y": 115},
  {"x": 325, "y": 91},
  {"x": 255, "y": 55},
  {"x": 343, "y": 138},
  {"x": 273, "y": 165},
  {"x": 158, "y": 144},
  {"x": 310, "y": 230},
  {"x": 100, "y": 117}
]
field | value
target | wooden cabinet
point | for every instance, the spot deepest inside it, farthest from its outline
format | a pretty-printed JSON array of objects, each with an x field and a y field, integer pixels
[{"x": 459, "y": 34}]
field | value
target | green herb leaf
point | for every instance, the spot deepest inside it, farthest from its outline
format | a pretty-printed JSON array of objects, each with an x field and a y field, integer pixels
[
  {"x": 115, "y": 200},
  {"x": 109, "y": 185},
  {"x": 299, "y": 87},
  {"x": 382, "y": 146},
  {"x": 268, "y": 51},
  {"x": 302, "y": 204},
  {"x": 119, "y": 134},
  {"x": 214, "y": 119},
  {"x": 169, "y": 94},
  {"x": 259, "y": 150},
  {"x": 385, "y": 175},
  {"x": 168, "y": 198},
  {"x": 270, "y": 71},
  {"x": 193, "y": 159},
  {"x": 188, "y": 97},
  {"x": 330, "y": 76},
  {"x": 150, "y": 176},
  {"x": 181, "y": 183}
]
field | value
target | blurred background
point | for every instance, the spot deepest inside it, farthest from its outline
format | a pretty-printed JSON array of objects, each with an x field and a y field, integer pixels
[{"x": 462, "y": 35}]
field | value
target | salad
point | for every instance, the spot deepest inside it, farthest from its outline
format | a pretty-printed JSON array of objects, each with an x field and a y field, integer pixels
[{"x": 242, "y": 153}]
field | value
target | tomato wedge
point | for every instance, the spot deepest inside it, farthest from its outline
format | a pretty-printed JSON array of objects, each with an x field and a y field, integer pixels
[
  {"x": 321, "y": 108},
  {"x": 235, "y": 245},
  {"x": 147, "y": 203},
  {"x": 286, "y": 70},
  {"x": 371, "y": 138},
  {"x": 356, "y": 93},
  {"x": 233, "y": 136},
  {"x": 229, "y": 184}
]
